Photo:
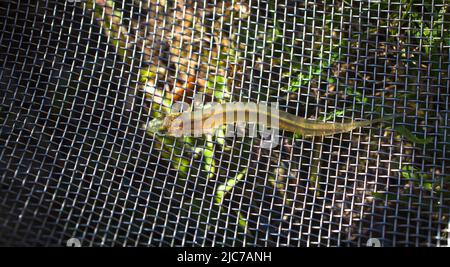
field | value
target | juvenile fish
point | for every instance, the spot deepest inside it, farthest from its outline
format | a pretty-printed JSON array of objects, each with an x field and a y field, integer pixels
[{"x": 208, "y": 119}]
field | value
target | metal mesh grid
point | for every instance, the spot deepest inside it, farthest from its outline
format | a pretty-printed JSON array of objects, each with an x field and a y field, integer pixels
[{"x": 76, "y": 162}]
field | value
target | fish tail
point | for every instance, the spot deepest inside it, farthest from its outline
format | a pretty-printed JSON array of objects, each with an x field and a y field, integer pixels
[
  {"x": 378, "y": 120},
  {"x": 349, "y": 126}
]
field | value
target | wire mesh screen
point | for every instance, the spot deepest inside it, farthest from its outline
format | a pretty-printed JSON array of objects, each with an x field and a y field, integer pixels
[{"x": 80, "y": 80}]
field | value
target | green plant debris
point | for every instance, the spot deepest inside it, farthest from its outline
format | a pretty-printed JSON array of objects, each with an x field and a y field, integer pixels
[
  {"x": 228, "y": 186},
  {"x": 176, "y": 159},
  {"x": 223, "y": 189},
  {"x": 419, "y": 179},
  {"x": 146, "y": 75},
  {"x": 301, "y": 80},
  {"x": 297, "y": 136},
  {"x": 209, "y": 141},
  {"x": 264, "y": 41},
  {"x": 358, "y": 96},
  {"x": 209, "y": 162},
  {"x": 242, "y": 221},
  {"x": 336, "y": 113},
  {"x": 220, "y": 135},
  {"x": 188, "y": 140},
  {"x": 110, "y": 19},
  {"x": 181, "y": 164},
  {"x": 218, "y": 85},
  {"x": 274, "y": 34}
]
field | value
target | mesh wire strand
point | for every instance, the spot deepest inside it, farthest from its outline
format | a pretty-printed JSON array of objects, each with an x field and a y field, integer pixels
[{"x": 76, "y": 162}]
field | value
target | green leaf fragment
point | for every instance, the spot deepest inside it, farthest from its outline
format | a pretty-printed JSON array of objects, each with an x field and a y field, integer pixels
[
  {"x": 301, "y": 80},
  {"x": 220, "y": 137},
  {"x": 409, "y": 172},
  {"x": 219, "y": 86},
  {"x": 242, "y": 222},
  {"x": 228, "y": 186},
  {"x": 181, "y": 165},
  {"x": 209, "y": 141},
  {"x": 336, "y": 113},
  {"x": 412, "y": 173},
  {"x": 209, "y": 163},
  {"x": 188, "y": 140},
  {"x": 146, "y": 75}
]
